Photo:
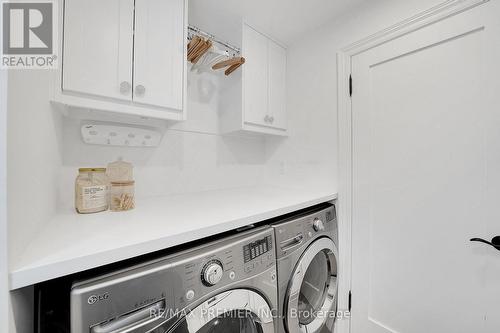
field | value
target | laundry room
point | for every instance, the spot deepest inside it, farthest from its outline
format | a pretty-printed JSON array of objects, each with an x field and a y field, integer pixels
[{"x": 280, "y": 166}]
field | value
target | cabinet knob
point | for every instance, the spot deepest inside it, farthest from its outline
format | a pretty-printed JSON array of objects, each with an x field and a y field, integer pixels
[
  {"x": 125, "y": 87},
  {"x": 271, "y": 119},
  {"x": 266, "y": 119},
  {"x": 140, "y": 90}
]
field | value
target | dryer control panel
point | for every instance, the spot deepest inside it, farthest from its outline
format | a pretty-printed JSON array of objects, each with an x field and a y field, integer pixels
[{"x": 295, "y": 233}]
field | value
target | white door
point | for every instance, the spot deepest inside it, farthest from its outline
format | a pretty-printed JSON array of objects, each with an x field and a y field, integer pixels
[
  {"x": 98, "y": 44},
  {"x": 426, "y": 179},
  {"x": 255, "y": 77},
  {"x": 159, "y": 49},
  {"x": 491, "y": 133},
  {"x": 277, "y": 85}
]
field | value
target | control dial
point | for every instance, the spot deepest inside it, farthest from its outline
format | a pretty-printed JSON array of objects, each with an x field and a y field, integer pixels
[
  {"x": 318, "y": 225},
  {"x": 212, "y": 273}
]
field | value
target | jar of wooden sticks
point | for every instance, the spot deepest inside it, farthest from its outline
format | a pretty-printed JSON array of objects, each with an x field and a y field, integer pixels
[{"x": 122, "y": 197}]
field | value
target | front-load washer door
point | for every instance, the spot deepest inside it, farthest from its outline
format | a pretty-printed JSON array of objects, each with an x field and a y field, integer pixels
[
  {"x": 233, "y": 311},
  {"x": 311, "y": 300}
]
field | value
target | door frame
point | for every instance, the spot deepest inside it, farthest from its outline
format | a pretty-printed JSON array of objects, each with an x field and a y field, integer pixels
[
  {"x": 4, "y": 244},
  {"x": 345, "y": 126}
]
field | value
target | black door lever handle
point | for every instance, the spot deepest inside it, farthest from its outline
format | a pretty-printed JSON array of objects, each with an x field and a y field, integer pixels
[{"x": 495, "y": 242}]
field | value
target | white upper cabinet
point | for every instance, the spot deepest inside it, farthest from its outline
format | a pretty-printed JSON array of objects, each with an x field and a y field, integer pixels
[
  {"x": 159, "y": 53},
  {"x": 264, "y": 84},
  {"x": 98, "y": 47},
  {"x": 255, "y": 77},
  {"x": 277, "y": 85},
  {"x": 125, "y": 56}
]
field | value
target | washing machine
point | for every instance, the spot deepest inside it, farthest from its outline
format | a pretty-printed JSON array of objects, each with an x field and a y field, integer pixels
[
  {"x": 227, "y": 286},
  {"x": 307, "y": 258}
]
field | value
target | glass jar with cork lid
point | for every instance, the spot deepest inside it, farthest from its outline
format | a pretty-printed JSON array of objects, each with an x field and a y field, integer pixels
[
  {"x": 91, "y": 190},
  {"x": 122, "y": 193}
]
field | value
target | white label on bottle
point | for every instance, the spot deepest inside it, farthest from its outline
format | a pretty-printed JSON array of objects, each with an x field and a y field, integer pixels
[{"x": 94, "y": 197}]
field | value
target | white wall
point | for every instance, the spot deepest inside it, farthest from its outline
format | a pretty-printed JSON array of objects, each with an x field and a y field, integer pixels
[
  {"x": 33, "y": 156},
  {"x": 308, "y": 156}
]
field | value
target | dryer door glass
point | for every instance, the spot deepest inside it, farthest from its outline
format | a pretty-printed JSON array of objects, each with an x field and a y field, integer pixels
[
  {"x": 230, "y": 322},
  {"x": 314, "y": 288},
  {"x": 233, "y": 311},
  {"x": 312, "y": 295}
]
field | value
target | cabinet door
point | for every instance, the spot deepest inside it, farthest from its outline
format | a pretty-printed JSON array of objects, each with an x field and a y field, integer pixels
[
  {"x": 159, "y": 50},
  {"x": 255, "y": 77},
  {"x": 98, "y": 46},
  {"x": 277, "y": 85}
]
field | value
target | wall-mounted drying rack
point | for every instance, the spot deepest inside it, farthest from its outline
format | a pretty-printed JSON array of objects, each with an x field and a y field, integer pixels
[
  {"x": 205, "y": 51},
  {"x": 195, "y": 31}
]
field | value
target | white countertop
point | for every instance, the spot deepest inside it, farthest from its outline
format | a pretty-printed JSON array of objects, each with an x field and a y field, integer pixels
[{"x": 73, "y": 243}]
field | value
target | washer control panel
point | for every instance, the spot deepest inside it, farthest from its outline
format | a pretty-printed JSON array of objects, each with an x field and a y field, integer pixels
[
  {"x": 220, "y": 264},
  {"x": 258, "y": 255},
  {"x": 258, "y": 248}
]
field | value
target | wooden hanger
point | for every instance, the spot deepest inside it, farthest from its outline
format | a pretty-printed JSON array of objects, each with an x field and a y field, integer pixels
[
  {"x": 199, "y": 47},
  {"x": 206, "y": 46},
  {"x": 193, "y": 46},
  {"x": 190, "y": 45},
  {"x": 229, "y": 62},
  {"x": 196, "y": 50},
  {"x": 234, "y": 67}
]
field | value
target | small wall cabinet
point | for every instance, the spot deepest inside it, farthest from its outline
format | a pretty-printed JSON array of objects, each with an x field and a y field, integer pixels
[
  {"x": 263, "y": 87},
  {"x": 125, "y": 56},
  {"x": 264, "y": 80}
]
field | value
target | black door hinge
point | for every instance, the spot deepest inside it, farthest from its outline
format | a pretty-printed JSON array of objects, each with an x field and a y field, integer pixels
[
  {"x": 350, "y": 85},
  {"x": 350, "y": 301}
]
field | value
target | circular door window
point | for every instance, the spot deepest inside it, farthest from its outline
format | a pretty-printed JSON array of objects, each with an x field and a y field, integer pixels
[
  {"x": 233, "y": 321},
  {"x": 233, "y": 311},
  {"x": 313, "y": 290}
]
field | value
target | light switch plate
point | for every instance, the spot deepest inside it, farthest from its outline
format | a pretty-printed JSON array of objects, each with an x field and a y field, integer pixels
[{"x": 125, "y": 136}]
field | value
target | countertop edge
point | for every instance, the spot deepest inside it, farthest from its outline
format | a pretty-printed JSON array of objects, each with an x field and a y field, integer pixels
[{"x": 27, "y": 276}]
